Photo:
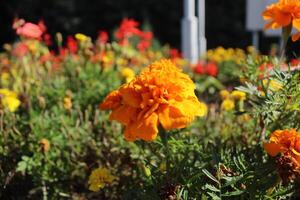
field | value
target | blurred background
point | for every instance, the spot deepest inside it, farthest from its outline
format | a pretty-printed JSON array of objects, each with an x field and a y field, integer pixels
[{"x": 225, "y": 20}]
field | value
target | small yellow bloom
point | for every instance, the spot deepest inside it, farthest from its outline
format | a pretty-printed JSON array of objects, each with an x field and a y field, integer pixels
[
  {"x": 99, "y": 178},
  {"x": 9, "y": 99},
  {"x": 67, "y": 103},
  {"x": 203, "y": 110},
  {"x": 244, "y": 118},
  {"x": 227, "y": 104},
  {"x": 5, "y": 76},
  {"x": 128, "y": 74},
  {"x": 45, "y": 145},
  {"x": 163, "y": 167},
  {"x": 238, "y": 95},
  {"x": 81, "y": 37},
  {"x": 224, "y": 94},
  {"x": 273, "y": 84}
]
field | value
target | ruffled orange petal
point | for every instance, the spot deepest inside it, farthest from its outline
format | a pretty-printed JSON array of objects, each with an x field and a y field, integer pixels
[
  {"x": 130, "y": 96},
  {"x": 296, "y": 24},
  {"x": 296, "y": 37},
  {"x": 180, "y": 114},
  {"x": 272, "y": 148},
  {"x": 112, "y": 101},
  {"x": 145, "y": 129},
  {"x": 123, "y": 114}
]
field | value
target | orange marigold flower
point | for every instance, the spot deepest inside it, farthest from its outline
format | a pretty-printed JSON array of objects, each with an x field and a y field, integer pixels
[
  {"x": 160, "y": 95},
  {"x": 284, "y": 13},
  {"x": 286, "y": 142}
]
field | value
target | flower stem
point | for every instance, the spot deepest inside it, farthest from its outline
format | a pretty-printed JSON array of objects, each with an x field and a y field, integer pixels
[
  {"x": 164, "y": 138},
  {"x": 286, "y": 31}
]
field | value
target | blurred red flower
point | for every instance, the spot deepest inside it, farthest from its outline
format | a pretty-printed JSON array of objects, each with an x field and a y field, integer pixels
[
  {"x": 30, "y": 30},
  {"x": 20, "y": 50},
  {"x": 211, "y": 69},
  {"x": 199, "y": 69},
  {"x": 102, "y": 37},
  {"x": 72, "y": 44}
]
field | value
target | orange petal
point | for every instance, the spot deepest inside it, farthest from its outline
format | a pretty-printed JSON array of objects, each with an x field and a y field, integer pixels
[
  {"x": 272, "y": 148},
  {"x": 145, "y": 129},
  {"x": 296, "y": 37},
  {"x": 123, "y": 114},
  {"x": 112, "y": 100},
  {"x": 130, "y": 96},
  {"x": 296, "y": 24}
]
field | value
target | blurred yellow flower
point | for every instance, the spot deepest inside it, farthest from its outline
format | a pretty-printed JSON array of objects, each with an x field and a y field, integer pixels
[
  {"x": 81, "y": 37},
  {"x": 45, "y": 145},
  {"x": 224, "y": 94},
  {"x": 163, "y": 166},
  {"x": 238, "y": 95},
  {"x": 243, "y": 118},
  {"x": 273, "y": 84},
  {"x": 9, "y": 99},
  {"x": 67, "y": 103},
  {"x": 5, "y": 76},
  {"x": 99, "y": 178},
  {"x": 227, "y": 104},
  {"x": 128, "y": 74},
  {"x": 221, "y": 54}
]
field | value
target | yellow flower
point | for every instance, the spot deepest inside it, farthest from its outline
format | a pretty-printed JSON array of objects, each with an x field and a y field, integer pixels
[
  {"x": 67, "y": 103},
  {"x": 244, "y": 118},
  {"x": 45, "y": 145},
  {"x": 227, "y": 105},
  {"x": 9, "y": 100},
  {"x": 163, "y": 166},
  {"x": 224, "y": 94},
  {"x": 5, "y": 76},
  {"x": 128, "y": 74},
  {"x": 238, "y": 95},
  {"x": 273, "y": 84},
  {"x": 99, "y": 178},
  {"x": 81, "y": 37},
  {"x": 160, "y": 95}
]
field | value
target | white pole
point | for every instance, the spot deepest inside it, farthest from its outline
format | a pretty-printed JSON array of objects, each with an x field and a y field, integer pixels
[
  {"x": 189, "y": 32},
  {"x": 201, "y": 17},
  {"x": 255, "y": 39}
]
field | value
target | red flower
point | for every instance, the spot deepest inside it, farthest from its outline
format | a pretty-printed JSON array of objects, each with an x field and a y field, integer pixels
[
  {"x": 42, "y": 26},
  {"x": 72, "y": 44},
  {"x": 211, "y": 69},
  {"x": 143, "y": 44},
  {"x": 148, "y": 35},
  {"x": 295, "y": 62},
  {"x": 127, "y": 29},
  {"x": 20, "y": 50},
  {"x": 199, "y": 69},
  {"x": 47, "y": 39},
  {"x": 30, "y": 30},
  {"x": 102, "y": 37},
  {"x": 174, "y": 53}
]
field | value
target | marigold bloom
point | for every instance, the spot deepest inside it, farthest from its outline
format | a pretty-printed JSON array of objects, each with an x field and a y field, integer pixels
[
  {"x": 238, "y": 95},
  {"x": 99, "y": 178},
  {"x": 81, "y": 37},
  {"x": 283, "y": 14},
  {"x": 128, "y": 74},
  {"x": 224, "y": 94},
  {"x": 272, "y": 84},
  {"x": 286, "y": 142},
  {"x": 9, "y": 99},
  {"x": 160, "y": 95},
  {"x": 227, "y": 104},
  {"x": 30, "y": 30},
  {"x": 67, "y": 103},
  {"x": 45, "y": 145}
]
